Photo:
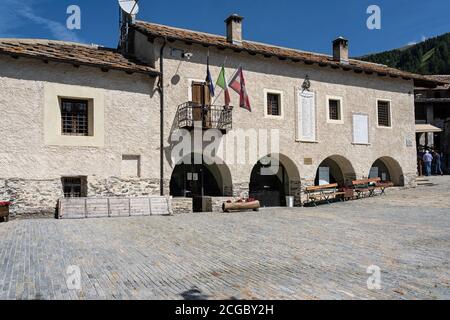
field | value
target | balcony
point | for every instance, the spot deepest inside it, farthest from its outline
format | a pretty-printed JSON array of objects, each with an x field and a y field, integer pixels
[{"x": 210, "y": 117}]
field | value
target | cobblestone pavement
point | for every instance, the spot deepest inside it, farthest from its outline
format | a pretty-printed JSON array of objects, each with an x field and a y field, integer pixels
[{"x": 302, "y": 253}]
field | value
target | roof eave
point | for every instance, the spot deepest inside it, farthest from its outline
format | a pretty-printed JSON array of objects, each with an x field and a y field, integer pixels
[{"x": 152, "y": 73}]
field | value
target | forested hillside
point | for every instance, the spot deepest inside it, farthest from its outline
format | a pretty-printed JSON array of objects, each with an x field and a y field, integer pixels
[{"x": 429, "y": 57}]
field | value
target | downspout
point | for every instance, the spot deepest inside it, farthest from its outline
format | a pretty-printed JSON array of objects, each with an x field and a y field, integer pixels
[{"x": 161, "y": 125}]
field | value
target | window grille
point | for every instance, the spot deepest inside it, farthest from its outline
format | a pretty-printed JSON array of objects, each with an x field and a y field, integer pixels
[
  {"x": 334, "y": 109},
  {"x": 74, "y": 117},
  {"x": 384, "y": 115},
  {"x": 273, "y": 104},
  {"x": 73, "y": 187}
]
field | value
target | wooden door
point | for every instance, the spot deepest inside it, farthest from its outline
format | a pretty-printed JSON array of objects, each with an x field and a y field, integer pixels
[{"x": 201, "y": 98}]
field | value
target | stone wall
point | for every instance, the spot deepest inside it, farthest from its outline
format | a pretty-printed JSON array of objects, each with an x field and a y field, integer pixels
[
  {"x": 181, "y": 205},
  {"x": 41, "y": 196},
  {"x": 31, "y": 196},
  {"x": 116, "y": 187}
]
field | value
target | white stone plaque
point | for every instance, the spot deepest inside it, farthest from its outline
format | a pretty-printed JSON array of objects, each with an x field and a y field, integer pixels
[{"x": 306, "y": 117}]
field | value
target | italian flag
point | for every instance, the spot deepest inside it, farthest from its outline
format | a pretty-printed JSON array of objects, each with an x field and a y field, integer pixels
[{"x": 222, "y": 83}]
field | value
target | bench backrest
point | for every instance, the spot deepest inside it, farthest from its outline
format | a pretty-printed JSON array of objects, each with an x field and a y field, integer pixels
[
  {"x": 366, "y": 181},
  {"x": 321, "y": 188}
]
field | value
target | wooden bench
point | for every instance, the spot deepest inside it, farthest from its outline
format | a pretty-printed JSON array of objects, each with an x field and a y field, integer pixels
[
  {"x": 369, "y": 187},
  {"x": 324, "y": 193}
]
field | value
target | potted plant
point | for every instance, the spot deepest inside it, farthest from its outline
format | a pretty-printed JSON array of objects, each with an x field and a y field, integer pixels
[{"x": 4, "y": 210}]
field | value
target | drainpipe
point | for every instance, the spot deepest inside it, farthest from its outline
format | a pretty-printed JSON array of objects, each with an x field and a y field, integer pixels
[{"x": 161, "y": 125}]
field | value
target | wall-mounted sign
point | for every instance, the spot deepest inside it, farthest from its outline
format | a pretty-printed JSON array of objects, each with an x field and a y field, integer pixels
[
  {"x": 324, "y": 176},
  {"x": 374, "y": 173},
  {"x": 409, "y": 143}
]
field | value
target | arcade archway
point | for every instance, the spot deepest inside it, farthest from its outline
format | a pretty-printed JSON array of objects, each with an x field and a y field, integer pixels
[
  {"x": 196, "y": 180},
  {"x": 388, "y": 169},
  {"x": 335, "y": 169},
  {"x": 272, "y": 181}
]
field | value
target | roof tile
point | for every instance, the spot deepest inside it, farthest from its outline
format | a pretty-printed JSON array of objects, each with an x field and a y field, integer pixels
[
  {"x": 171, "y": 33},
  {"x": 74, "y": 53}
]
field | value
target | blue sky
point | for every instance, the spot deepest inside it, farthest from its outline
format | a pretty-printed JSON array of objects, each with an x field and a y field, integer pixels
[{"x": 306, "y": 25}]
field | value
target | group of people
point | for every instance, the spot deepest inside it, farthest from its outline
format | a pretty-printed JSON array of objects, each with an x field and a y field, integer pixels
[{"x": 428, "y": 158}]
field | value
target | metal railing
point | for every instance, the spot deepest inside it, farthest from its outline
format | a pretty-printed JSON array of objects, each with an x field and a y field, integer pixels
[{"x": 191, "y": 113}]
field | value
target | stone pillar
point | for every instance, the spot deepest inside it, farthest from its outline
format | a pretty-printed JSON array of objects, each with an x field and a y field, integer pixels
[{"x": 430, "y": 120}]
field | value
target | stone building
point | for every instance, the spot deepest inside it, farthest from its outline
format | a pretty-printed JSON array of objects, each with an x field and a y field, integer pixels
[
  {"x": 88, "y": 121},
  {"x": 432, "y": 112}
]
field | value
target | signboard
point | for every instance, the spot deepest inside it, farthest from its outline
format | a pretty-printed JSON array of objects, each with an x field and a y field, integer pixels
[
  {"x": 360, "y": 129},
  {"x": 324, "y": 176},
  {"x": 374, "y": 171},
  {"x": 306, "y": 117}
]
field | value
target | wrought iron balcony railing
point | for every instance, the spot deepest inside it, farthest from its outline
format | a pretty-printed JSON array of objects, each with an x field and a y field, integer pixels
[{"x": 190, "y": 114}]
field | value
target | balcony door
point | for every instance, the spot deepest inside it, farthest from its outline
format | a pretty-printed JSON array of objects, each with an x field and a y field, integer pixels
[{"x": 201, "y": 97}]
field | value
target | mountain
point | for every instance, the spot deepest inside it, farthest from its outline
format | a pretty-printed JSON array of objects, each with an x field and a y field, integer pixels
[{"x": 431, "y": 56}]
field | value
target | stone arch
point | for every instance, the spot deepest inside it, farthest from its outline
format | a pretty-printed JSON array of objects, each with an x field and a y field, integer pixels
[
  {"x": 341, "y": 171},
  {"x": 187, "y": 176},
  {"x": 388, "y": 169},
  {"x": 271, "y": 189}
]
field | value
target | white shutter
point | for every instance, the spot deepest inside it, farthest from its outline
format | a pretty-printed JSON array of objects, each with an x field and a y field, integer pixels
[
  {"x": 360, "y": 129},
  {"x": 306, "y": 116}
]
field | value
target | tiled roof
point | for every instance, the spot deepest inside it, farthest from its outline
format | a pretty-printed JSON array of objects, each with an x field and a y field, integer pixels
[
  {"x": 74, "y": 53},
  {"x": 445, "y": 78},
  {"x": 205, "y": 39}
]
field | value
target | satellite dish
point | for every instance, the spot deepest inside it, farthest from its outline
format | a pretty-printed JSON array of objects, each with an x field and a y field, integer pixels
[{"x": 129, "y": 6}]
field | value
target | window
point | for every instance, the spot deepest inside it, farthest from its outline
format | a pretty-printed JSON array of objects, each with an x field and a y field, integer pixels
[
  {"x": 384, "y": 113},
  {"x": 273, "y": 104},
  {"x": 74, "y": 187},
  {"x": 334, "y": 110},
  {"x": 74, "y": 117}
]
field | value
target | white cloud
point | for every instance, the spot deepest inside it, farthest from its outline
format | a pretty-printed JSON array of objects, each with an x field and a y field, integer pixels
[
  {"x": 20, "y": 13},
  {"x": 422, "y": 39}
]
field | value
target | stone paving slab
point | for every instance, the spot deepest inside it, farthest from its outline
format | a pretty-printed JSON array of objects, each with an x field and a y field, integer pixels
[{"x": 302, "y": 253}]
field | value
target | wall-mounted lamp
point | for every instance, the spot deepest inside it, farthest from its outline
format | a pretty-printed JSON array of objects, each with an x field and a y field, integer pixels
[
  {"x": 187, "y": 55},
  {"x": 306, "y": 84}
]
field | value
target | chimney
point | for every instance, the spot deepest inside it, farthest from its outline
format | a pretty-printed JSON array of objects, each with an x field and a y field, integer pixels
[
  {"x": 234, "y": 29},
  {"x": 340, "y": 50}
]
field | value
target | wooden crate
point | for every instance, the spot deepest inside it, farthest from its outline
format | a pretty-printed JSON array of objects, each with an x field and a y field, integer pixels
[{"x": 78, "y": 208}]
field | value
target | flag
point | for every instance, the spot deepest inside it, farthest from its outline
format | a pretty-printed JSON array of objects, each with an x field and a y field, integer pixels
[
  {"x": 222, "y": 83},
  {"x": 209, "y": 81},
  {"x": 237, "y": 83}
]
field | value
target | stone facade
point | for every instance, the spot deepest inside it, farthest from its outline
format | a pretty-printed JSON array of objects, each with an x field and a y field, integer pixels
[
  {"x": 31, "y": 167},
  {"x": 359, "y": 94},
  {"x": 32, "y": 161}
]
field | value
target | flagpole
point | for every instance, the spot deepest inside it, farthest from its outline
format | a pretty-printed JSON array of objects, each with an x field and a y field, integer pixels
[{"x": 226, "y": 83}]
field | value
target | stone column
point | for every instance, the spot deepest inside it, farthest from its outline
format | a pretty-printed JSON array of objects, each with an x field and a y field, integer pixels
[{"x": 430, "y": 120}]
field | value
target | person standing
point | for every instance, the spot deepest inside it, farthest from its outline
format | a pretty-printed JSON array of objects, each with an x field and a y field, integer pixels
[
  {"x": 438, "y": 163},
  {"x": 427, "y": 160}
]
